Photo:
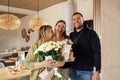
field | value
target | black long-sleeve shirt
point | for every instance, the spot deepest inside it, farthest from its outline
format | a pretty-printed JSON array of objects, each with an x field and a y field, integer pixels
[{"x": 87, "y": 50}]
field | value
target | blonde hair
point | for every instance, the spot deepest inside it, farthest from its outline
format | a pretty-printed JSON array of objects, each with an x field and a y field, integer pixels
[{"x": 42, "y": 37}]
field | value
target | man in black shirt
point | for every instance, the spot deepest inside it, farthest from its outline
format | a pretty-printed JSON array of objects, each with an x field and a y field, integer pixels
[{"x": 87, "y": 51}]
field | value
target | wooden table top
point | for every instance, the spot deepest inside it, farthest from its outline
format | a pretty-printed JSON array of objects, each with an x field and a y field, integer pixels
[{"x": 6, "y": 75}]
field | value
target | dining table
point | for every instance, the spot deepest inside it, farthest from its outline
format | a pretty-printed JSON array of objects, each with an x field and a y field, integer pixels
[{"x": 5, "y": 74}]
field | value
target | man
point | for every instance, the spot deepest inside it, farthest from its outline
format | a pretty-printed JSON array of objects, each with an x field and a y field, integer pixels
[{"x": 87, "y": 51}]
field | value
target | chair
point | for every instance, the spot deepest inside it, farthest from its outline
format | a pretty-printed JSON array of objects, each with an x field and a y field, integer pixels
[
  {"x": 14, "y": 55},
  {"x": 2, "y": 65},
  {"x": 9, "y": 62}
]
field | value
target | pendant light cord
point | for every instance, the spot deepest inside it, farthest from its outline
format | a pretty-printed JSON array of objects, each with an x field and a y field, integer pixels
[
  {"x": 8, "y": 6},
  {"x": 38, "y": 8}
]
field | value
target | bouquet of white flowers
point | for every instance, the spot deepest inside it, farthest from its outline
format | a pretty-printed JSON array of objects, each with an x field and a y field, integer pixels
[{"x": 50, "y": 50}]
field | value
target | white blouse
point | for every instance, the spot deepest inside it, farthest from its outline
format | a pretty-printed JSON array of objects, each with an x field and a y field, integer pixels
[{"x": 66, "y": 49}]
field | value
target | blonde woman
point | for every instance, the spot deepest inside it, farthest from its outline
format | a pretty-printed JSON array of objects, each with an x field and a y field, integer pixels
[{"x": 45, "y": 35}]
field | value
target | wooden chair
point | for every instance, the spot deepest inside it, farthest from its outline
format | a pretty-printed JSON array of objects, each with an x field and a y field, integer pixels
[
  {"x": 2, "y": 65},
  {"x": 10, "y": 60}
]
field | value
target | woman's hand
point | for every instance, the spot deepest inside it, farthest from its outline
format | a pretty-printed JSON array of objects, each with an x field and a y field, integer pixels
[
  {"x": 45, "y": 63},
  {"x": 49, "y": 63}
]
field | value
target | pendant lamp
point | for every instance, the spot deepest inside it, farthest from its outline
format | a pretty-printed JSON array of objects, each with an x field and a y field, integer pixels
[
  {"x": 9, "y": 21},
  {"x": 36, "y": 23}
]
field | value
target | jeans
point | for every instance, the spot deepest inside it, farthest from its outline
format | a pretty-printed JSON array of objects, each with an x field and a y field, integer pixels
[{"x": 80, "y": 75}]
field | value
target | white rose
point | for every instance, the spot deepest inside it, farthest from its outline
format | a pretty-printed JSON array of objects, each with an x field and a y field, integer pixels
[{"x": 56, "y": 49}]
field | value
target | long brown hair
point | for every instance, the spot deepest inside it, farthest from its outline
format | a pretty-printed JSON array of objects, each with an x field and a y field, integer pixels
[
  {"x": 64, "y": 36},
  {"x": 42, "y": 37}
]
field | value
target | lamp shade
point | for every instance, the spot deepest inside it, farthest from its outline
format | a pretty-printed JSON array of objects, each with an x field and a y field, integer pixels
[
  {"x": 36, "y": 23},
  {"x": 9, "y": 22}
]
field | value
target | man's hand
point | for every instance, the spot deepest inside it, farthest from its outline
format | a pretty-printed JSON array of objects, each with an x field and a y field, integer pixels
[
  {"x": 71, "y": 57},
  {"x": 96, "y": 76},
  {"x": 60, "y": 64}
]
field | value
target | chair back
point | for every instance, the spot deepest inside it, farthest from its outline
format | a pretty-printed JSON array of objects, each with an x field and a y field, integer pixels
[{"x": 2, "y": 65}]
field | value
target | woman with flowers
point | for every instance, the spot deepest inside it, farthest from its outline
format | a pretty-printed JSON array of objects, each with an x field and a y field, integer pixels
[
  {"x": 31, "y": 62},
  {"x": 60, "y": 36}
]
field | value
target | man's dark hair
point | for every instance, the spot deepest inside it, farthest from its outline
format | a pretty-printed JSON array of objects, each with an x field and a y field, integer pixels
[{"x": 77, "y": 13}]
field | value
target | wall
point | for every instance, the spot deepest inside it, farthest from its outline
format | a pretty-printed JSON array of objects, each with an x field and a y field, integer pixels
[
  {"x": 110, "y": 30},
  {"x": 21, "y": 41},
  {"x": 8, "y": 39},
  {"x": 85, "y": 7}
]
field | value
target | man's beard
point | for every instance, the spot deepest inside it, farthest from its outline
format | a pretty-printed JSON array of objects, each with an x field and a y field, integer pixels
[{"x": 80, "y": 26}]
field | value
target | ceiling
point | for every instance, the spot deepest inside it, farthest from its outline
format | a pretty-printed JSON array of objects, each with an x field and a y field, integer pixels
[
  {"x": 29, "y": 5},
  {"x": 18, "y": 15}
]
